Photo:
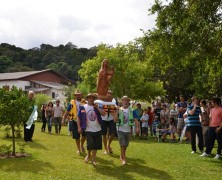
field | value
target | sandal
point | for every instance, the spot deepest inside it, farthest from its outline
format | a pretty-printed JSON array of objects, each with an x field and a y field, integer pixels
[
  {"x": 123, "y": 162},
  {"x": 83, "y": 150},
  {"x": 109, "y": 149},
  {"x": 94, "y": 163},
  {"x": 86, "y": 160},
  {"x": 78, "y": 152}
]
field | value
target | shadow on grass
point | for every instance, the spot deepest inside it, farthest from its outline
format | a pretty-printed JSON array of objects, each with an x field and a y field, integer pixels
[
  {"x": 153, "y": 141},
  {"x": 134, "y": 166},
  {"x": 26, "y": 164},
  {"x": 34, "y": 144},
  {"x": 212, "y": 160}
]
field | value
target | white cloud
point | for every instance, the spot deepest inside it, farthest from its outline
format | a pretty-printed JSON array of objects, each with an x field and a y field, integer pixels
[{"x": 85, "y": 23}]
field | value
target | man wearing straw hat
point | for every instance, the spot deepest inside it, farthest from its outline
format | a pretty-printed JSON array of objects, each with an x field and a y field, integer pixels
[
  {"x": 72, "y": 111},
  {"x": 89, "y": 120}
]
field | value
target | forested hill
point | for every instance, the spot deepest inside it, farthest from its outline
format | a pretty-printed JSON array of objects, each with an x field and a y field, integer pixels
[{"x": 64, "y": 59}]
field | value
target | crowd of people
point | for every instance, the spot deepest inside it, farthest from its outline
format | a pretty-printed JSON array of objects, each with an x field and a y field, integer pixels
[
  {"x": 98, "y": 123},
  {"x": 198, "y": 122}
]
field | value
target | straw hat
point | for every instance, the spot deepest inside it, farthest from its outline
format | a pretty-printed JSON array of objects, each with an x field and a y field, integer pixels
[
  {"x": 91, "y": 95},
  {"x": 125, "y": 98},
  {"x": 77, "y": 92}
]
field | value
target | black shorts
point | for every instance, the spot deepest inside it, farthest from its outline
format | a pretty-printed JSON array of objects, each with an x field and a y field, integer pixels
[
  {"x": 70, "y": 125},
  {"x": 108, "y": 125},
  {"x": 75, "y": 133},
  {"x": 94, "y": 140}
]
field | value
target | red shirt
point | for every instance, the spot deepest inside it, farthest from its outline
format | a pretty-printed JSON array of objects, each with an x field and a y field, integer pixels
[
  {"x": 216, "y": 117},
  {"x": 150, "y": 121}
]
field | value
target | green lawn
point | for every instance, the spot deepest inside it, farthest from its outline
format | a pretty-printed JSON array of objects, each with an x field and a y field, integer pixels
[{"x": 54, "y": 157}]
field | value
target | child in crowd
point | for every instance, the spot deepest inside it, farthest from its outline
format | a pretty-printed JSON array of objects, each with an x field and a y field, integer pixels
[
  {"x": 174, "y": 113},
  {"x": 156, "y": 122},
  {"x": 144, "y": 119},
  {"x": 171, "y": 131},
  {"x": 162, "y": 130}
]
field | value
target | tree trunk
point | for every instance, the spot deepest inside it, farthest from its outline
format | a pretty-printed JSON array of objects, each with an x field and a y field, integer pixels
[{"x": 13, "y": 139}]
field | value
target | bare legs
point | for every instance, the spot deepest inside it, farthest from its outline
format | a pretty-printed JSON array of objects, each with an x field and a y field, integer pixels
[
  {"x": 108, "y": 148},
  {"x": 80, "y": 145},
  {"x": 123, "y": 154},
  {"x": 91, "y": 155}
]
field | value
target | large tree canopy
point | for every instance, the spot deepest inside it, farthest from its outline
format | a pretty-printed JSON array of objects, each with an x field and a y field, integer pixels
[
  {"x": 185, "y": 47},
  {"x": 133, "y": 76}
]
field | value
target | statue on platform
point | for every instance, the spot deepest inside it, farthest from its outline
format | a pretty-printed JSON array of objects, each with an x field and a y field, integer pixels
[{"x": 103, "y": 81}]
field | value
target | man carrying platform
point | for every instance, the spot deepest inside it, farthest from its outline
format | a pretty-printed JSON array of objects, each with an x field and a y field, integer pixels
[{"x": 72, "y": 111}]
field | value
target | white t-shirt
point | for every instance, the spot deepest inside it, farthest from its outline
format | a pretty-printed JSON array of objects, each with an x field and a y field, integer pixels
[
  {"x": 92, "y": 123},
  {"x": 146, "y": 118},
  {"x": 77, "y": 105},
  {"x": 107, "y": 118},
  {"x": 57, "y": 111},
  {"x": 125, "y": 127}
]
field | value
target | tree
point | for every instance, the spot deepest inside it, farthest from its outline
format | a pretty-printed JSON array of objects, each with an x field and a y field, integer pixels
[
  {"x": 185, "y": 46},
  {"x": 5, "y": 63},
  {"x": 132, "y": 77},
  {"x": 14, "y": 109}
]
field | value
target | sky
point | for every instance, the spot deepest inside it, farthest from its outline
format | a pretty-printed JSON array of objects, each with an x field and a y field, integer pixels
[{"x": 85, "y": 23}]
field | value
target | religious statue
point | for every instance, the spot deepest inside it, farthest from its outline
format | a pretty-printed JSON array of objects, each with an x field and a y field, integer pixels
[{"x": 103, "y": 81}]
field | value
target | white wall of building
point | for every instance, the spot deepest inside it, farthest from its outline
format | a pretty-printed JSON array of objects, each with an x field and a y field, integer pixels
[
  {"x": 59, "y": 93},
  {"x": 17, "y": 83}
]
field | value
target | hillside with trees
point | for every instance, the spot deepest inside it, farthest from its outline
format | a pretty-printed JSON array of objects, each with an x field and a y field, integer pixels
[{"x": 64, "y": 59}]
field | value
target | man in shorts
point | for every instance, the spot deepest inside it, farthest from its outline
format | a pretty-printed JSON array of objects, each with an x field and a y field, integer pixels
[
  {"x": 89, "y": 119},
  {"x": 72, "y": 111},
  {"x": 108, "y": 126},
  {"x": 127, "y": 118}
]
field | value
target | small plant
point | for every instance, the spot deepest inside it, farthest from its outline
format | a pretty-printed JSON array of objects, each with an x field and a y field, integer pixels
[
  {"x": 4, "y": 149},
  {"x": 22, "y": 147},
  {"x": 7, "y": 132}
]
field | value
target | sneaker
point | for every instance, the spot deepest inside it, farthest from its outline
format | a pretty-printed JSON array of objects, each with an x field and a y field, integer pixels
[
  {"x": 217, "y": 156},
  {"x": 193, "y": 152},
  {"x": 205, "y": 155}
]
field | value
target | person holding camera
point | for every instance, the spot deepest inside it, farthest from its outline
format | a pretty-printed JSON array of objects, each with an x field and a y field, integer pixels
[
  {"x": 194, "y": 124},
  {"x": 43, "y": 109}
]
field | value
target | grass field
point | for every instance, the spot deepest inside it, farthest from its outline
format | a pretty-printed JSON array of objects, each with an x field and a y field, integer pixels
[{"x": 54, "y": 157}]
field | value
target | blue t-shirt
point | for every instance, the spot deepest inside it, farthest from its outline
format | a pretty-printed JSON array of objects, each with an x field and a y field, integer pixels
[
  {"x": 69, "y": 107},
  {"x": 183, "y": 105},
  {"x": 194, "y": 120}
]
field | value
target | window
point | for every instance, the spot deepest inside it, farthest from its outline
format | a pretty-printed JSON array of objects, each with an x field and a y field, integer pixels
[{"x": 53, "y": 94}]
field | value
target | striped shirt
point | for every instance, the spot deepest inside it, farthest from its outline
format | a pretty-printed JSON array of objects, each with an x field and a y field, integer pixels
[{"x": 194, "y": 120}]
